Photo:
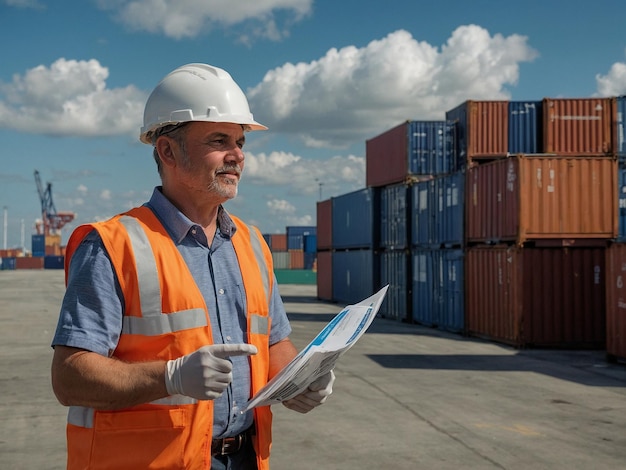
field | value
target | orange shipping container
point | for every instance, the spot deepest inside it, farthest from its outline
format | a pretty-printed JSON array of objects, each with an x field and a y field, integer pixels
[
  {"x": 545, "y": 297},
  {"x": 482, "y": 129},
  {"x": 616, "y": 301},
  {"x": 579, "y": 126},
  {"x": 278, "y": 242},
  {"x": 325, "y": 224},
  {"x": 296, "y": 259},
  {"x": 533, "y": 197}
]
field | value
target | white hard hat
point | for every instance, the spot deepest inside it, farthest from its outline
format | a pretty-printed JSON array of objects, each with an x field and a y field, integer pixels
[{"x": 196, "y": 92}]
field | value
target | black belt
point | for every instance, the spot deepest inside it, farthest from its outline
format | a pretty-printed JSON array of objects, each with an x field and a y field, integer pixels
[{"x": 230, "y": 445}]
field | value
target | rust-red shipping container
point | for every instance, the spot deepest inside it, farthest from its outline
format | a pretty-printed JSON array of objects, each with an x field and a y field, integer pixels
[
  {"x": 325, "y": 275},
  {"x": 385, "y": 157},
  {"x": 325, "y": 224},
  {"x": 482, "y": 129},
  {"x": 10, "y": 253},
  {"x": 278, "y": 242},
  {"x": 543, "y": 297},
  {"x": 579, "y": 126},
  {"x": 534, "y": 197},
  {"x": 616, "y": 301},
  {"x": 29, "y": 262}
]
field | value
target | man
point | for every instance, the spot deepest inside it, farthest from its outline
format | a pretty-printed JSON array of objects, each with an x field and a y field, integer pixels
[{"x": 172, "y": 318}]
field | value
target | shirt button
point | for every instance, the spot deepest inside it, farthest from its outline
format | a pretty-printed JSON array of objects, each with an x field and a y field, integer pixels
[
  {"x": 228, "y": 338},
  {"x": 193, "y": 231},
  {"x": 221, "y": 291}
]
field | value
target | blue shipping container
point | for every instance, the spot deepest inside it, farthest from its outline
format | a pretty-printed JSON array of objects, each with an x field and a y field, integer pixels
[
  {"x": 431, "y": 147},
  {"x": 355, "y": 219},
  {"x": 394, "y": 270},
  {"x": 53, "y": 262},
  {"x": 449, "y": 307},
  {"x": 620, "y": 116},
  {"x": 393, "y": 216},
  {"x": 438, "y": 288},
  {"x": 38, "y": 247},
  {"x": 310, "y": 243},
  {"x": 7, "y": 263},
  {"x": 423, "y": 294},
  {"x": 448, "y": 210},
  {"x": 353, "y": 275},
  {"x": 295, "y": 236},
  {"x": 423, "y": 204},
  {"x": 525, "y": 127}
]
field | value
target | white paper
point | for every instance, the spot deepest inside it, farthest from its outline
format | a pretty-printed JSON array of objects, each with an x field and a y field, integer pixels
[{"x": 321, "y": 354}]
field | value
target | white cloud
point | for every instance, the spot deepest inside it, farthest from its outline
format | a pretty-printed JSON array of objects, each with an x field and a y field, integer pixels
[
  {"x": 352, "y": 93},
  {"x": 105, "y": 194},
  {"x": 69, "y": 98},
  {"x": 280, "y": 207},
  {"x": 300, "y": 175},
  {"x": 33, "y": 4},
  {"x": 614, "y": 82},
  {"x": 189, "y": 18}
]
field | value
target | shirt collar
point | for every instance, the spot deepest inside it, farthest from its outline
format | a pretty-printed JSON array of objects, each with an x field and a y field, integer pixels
[{"x": 178, "y": 224}]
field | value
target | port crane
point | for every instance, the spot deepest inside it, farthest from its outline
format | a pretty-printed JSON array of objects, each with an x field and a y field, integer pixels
[{"x": 51, "y": 220}]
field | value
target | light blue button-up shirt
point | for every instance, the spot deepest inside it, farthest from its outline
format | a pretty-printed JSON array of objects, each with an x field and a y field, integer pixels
[{"x": 92, "y": 309}]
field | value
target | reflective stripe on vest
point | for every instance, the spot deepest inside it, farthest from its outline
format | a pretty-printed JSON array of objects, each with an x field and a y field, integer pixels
[{"x": 154, "y": 322}]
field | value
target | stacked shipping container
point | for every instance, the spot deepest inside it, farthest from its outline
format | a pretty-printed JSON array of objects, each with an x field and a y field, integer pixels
[{"x": 500, "y": 216}]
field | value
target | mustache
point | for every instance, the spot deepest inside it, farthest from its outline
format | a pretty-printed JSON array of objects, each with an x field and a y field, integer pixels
[{"x": 233, "y": 168}]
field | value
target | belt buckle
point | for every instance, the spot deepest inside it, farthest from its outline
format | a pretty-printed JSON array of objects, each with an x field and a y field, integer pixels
[{"x": 231, "y": 445}]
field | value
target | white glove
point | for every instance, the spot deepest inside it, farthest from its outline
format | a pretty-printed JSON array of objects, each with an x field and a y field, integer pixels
[
  {"x": 205, "y": 373},
  {"x": 315, "y": 395}
]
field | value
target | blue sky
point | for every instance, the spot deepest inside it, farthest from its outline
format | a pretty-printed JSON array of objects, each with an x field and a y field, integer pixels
[{"x": 324, "y": 76}]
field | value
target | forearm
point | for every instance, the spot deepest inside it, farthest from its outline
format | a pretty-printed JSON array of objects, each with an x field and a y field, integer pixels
[
  {"x": 83, "y": 378},
  {"x": 281, "y": 354}
]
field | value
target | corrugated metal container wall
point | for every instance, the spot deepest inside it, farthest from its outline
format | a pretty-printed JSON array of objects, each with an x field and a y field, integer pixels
[
  {"x": 394, "y": 209},
  {"x": 325, "y": 225},
  {"x": 423, "y": 295},
  {"x": 449, "y": 210},
  {"x": 621, "y": 194},
  {"x": 545, "y": 297},
  {"x": 542, "y": 197},
  {"x": 355, "y": 219},
  {"x": 295, "y": 236},
  {"x": 525, "y": 127},
  {"x": 278, "y": 242},
  {"x": 423, "y": 210},
  {"x": 325, "y": 275},
  {"x": 620, "y": 118},
  {"x": 481, "y": 129},
  {"x": 431, "y": 147},
  {"x": 281, "y": 259},
  {"x": 449, "y": 308},
  {"x": 353, "y": 275},
  {"x": 616, "y": 301},
  {"x": 310, "y": 243},
  {"x": 579, "y": 126},
  {"x": 386, "y": 159},
  {"x": 394, "y": 270},
  {"x": 296, "y": 259},
  {"x": 28, "y": 262}
]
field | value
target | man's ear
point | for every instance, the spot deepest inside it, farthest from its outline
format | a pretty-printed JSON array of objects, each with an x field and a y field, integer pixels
[{"x": 165, "y": 146}]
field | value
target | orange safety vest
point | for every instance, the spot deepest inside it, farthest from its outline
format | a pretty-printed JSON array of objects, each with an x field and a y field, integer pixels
[{"x": 166, "y": 317}]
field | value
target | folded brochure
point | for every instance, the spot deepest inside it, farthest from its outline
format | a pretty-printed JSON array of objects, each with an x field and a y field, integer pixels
[{"x": 321, "y": 354}]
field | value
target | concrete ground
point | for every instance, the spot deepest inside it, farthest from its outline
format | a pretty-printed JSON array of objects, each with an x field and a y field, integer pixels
[{"x": 406, "y": 397}]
